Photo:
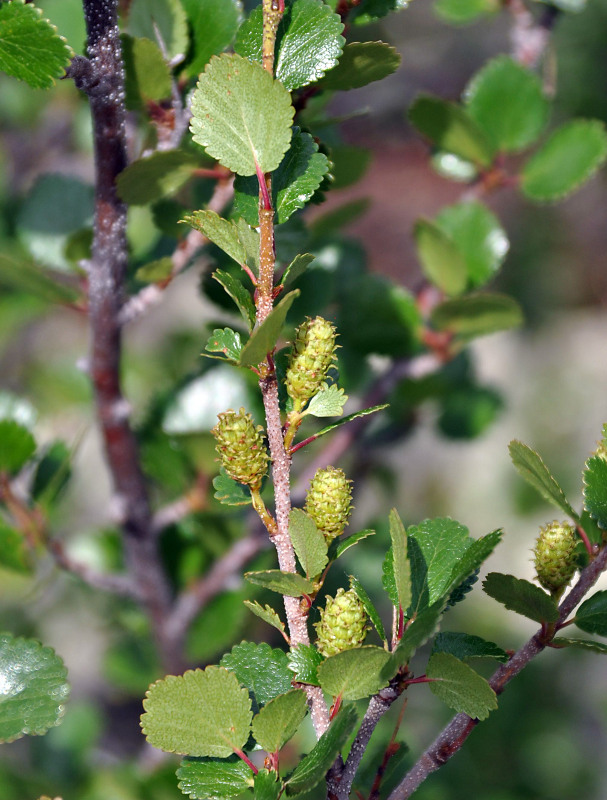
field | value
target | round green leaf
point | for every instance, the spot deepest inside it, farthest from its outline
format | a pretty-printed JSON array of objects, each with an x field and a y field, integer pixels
[
  {"x": 33, "y": 688},
  {"x": 441, "y": 260},
  {"x": 200, "y": 713},
  {"x": 202, "y": 779},
  {"x": 592, "y": 614},
  {"x": 214, "y": 25},
  {"x": 463, "y": 12},
  {"x": 277, "y": 721},
  {"x": 572, "y": 154},
  {"x": 355, "y": 673},
  {"x": 161, "y": 21},
  {"x": 148, "y": 76},
  {"x": 459, "y": 686},
  {"x": 508, "y": 102},
  {"x": 362, "y": 63},
  {"x": 478, "y": 236},
  {"x": 227, "y": 120},
  {"x": 13, "y": 551},
  {"x": 17, "y": 446}
]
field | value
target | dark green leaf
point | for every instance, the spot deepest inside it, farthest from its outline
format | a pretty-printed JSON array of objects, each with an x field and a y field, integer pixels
[
  {"x": 463, "y": 12},
  {"x": 329, "y": 402},
  {"x": 572, "y": 154},
  {"x": 476, "y": 553},
  {"x": 288, "y": 583},
  {"x": 308, "y": 542},
  {"x": 26, "y": 276},
  {"x": 441, "y": 259},
  {"x": 148, "y": 76},
  {"x": 17, "y": 446},
  {"x": 507, "y": 100},
  {"x": 478, "y": 314},
  {"x": 239, "y": 294},
  {"x": 348, "y": 164},
  {"x": 220, "y": 231},
  {"x": 362, "y": 63},
  {"x": 372, "y": 612},
  {"x": 451, "y": 128},
  {"x": 262, "y": 669},
  {"x": 34, "y": 688},
  {"x": 521, "y": 596},
  {"x": 350, "y": 541},
  {"x": 162, "y": 21},
  {"x": 30, "y": 47},
  {"x": 363, "y": 413},
  {"x": 369, "y": 10},
  {"x": 460, "y": 687},
  {"x": 581, "y": 644},
  {"x": 478, "y": 236},
  {"x": 214, "y": 26},
  {"x": 296, "y": 268},
  {"x": 267, "y": 614},
  {"x": 387, "y": 578},
  {"x": 468, "y": 411},
  {"x": 304, "y": 661},
  {"x": 591, "y": 616},
  {"x": 530, "y": 466},
  {"x": 226, "y": 341},
  {"x": 229, "y": 492},
  {"x": 159, "y": 175},
  {"x": 354, "y": 674},
  {"x": 423, "y": 627},
  {"x": 52, "y": 473},
  {"x": 226, "y": 118},
  {"x": 13, "y": 551},
  {"x": 214, "y": 778},
  {"x": 263, "y": 339},
  {"x": 278, "y": 721},
  {"x": 326, "y": 224},
  {"x": 267, "y": 785},
  {"x": 249, "y": 238},
  {"x": 313, "y": 767},
  {"x": 465, "y": 646},
  {"x": 199, "y": 713},
  {"x": 400, "y": 561},
  {"x": 595, "y": 490}
]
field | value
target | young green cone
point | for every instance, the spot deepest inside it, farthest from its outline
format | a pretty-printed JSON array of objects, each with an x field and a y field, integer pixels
[
  {"x": 311, "y": 358},
  {"x": 329, "y": 501},
  {"x": 555, "y": 559},
  {"x": 343, "y": 623},
  {"x": 241, "y": 447}
]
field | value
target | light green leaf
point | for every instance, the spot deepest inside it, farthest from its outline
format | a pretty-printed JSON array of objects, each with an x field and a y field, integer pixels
[
  {"x": 372, "y": 612},
  {"x": 262, "y": 669},
  {"x": 530, "y": 466},
  {"x": 147, "y": 74},
  {"x": 423, "y": 627},
  {"x": 478, "y": 314},
  {"x": 30, "y": 47},
  {"x": 591, "y": 616},
  {"x": 595, "y": 490},
  {"x": 288, "y": 583},
  {"x": 304, "y": 661},
  {"x": 451, "y": 128},
  {"x": 478, "y": 236},
  {"x": 362, "y": 63},
  {"x": 460, "y": 687},
  {"x": 308, "y": 542},
  {"x": 572, "y": 154},
  {"x": 230, "y": 492},
  {"x": 400, "y": 563},
  {"x": 507, "y": 100},
  {"x": 220, "y": 231},
  {"x": 355, "y": 673},
  {"x": 17, "y": 446},
  {"x": 267, "y": 785},
  {"x": 226, "y": 341},
  {"x": 296, "y": 268},
  {"x": 465, "y": 646},
  {"x": 295, "y": 180},
  {"x": 387, "y": 577},
  {"x": 214, "y": 778},
  {"x": 249, "y": 238},
  {"x": 581, "y": 644},
  {"x": 263, "y": 339},
  {"x": 214, "y": 25},
  {"x": 313, "y": 767},
  {"x": 239, "y": 294},
  {"x": 463, "y": 12},
  {"x": 155, "y": 271},
  {"x": 13, "y": 551},
  {"x": 441, "y": 260},
  {"x": 159, "y": 175},
  {"x": 226, "y": 118},
  {"x": 521, "y": 596},
  {"x": 308, "y": 41},
  {"x": 350, "y": 541},
  {"x": 328, "y": 402},
  {"x": 34, "y": 688},
  {"x": 267, "y": 614},
  {"x": 278, "y": 721},
  {"x": 362, "y": 413},
  {"x": 162, "y": 21},
  {"x": 200, "y": 713}
]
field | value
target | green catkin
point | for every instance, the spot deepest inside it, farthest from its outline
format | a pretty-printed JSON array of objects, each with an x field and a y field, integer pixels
[
  {"x": 343, "y": 623},
  {"x": 241, "y": 447},
  {"x": 555, "y": 557},
  {"x": 329, "y": 501},
  {"x": 312, "y": 356}
]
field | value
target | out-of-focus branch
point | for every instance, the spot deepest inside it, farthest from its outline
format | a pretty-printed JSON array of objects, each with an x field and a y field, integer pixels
[
  {"x": 530, "y": 38},
  {"x": 122, "y": 585},
  {"x": 461, "y": 726}
]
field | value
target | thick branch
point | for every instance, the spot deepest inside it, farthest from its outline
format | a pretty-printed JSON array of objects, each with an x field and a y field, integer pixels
[{"x": 461, "y": 726}]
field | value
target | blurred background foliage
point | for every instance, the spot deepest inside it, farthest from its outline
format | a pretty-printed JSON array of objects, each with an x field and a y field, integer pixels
[{"x": 440, "y": 449}]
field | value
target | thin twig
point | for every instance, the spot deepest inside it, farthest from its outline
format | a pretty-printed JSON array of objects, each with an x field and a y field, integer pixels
[
  {"x": 117, "y": 584},
  {"x": 529, "y": 38}
]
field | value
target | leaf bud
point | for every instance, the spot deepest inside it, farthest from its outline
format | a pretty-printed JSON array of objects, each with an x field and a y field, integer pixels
[
  {"x": 343, "y": 623},
  {"x": 311, "y": 358},
  {"x": 555, "y": 557},
  {"x": 241, "y": 448},
  {"x": 329, "y": 501}
]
